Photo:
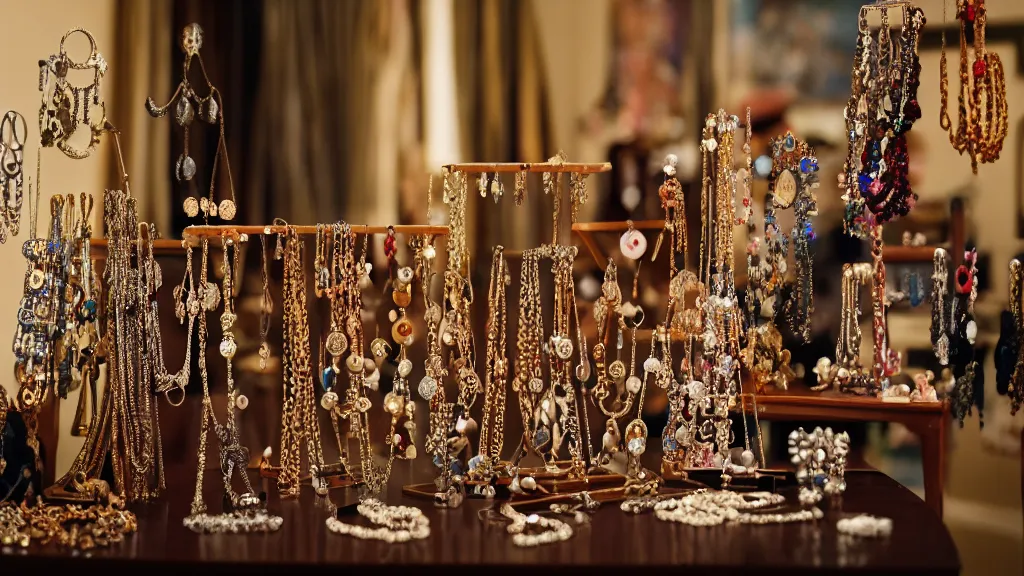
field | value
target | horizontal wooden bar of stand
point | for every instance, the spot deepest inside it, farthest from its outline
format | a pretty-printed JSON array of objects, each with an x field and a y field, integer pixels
[
  {"x": 621, "y": 226},
  {"x": 192, "y": 234},
  {"x": 488, "y": 167},
  {"x": 161, "y": 246},
  {"x": 908, "y": 254}
]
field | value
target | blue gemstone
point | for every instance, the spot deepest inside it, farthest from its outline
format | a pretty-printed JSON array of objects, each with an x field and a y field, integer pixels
[
  {"x": 916, "y": 295},
  {"x": 864, "y": 181},
  {"x": 668, "y": 442},
  {"x": 475, "y": 462},
  {"x": 90, "y": 305},
  {"x": 808, "y": 165},
  {"x": 819, "y": 480},
  {"x": 789, "y": 143},
  {"x": 328, "y": 379},
  {"x": 541, "y": 437}
]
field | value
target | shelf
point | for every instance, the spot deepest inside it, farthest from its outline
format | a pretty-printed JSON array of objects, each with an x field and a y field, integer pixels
[
  {"x": 540, "y": 167},
  {"x": 585, "y": 231}
]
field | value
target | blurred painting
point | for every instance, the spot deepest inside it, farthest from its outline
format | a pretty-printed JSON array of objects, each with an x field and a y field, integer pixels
[{"x": 802, "y": 46}]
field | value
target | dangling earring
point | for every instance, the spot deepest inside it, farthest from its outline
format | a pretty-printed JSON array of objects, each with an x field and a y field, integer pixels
[
  {"x": 210, "y": 110},
  {"x": 12, "y": 175},
  {"x": 520, "y": 192},
  {"x": 66, "y": 106},
  {"x": 266, "y": 304}
]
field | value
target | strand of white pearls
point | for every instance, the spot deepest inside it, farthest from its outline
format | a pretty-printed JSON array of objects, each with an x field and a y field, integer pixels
[
  {"x": 865, "y": 526},
  {"x": 546, "y": 530},
  {"x": 392, "y": 523},
  {"x": 712, "y": 508},
  {"x": 238, "y": 522}
]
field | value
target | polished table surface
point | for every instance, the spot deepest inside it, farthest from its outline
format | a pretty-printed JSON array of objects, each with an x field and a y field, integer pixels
[{"x": 467, "y": 536}]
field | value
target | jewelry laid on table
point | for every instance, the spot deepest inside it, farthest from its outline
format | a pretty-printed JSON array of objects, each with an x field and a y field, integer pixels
[
  {"x": 210, "y": 109},
  {"x": 865, "y": 526},
  {"x": 878, "y": 116},
  {"x": 983, "y": 119},
  {"x": 13, "y": 135},
  {"x": 81, "y": 528},
  {"x": 534, "y": 529},
  {"x": 704, "y": 508},
  {"x": 820, "y": 458},
  {"x": 1009, "y": 352},
  {"x": 392, "y": 524},
  {"x": 65, "y": 107}
]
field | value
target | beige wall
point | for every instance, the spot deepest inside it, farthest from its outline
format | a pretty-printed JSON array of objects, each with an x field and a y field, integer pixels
[{"x": 32, "y": 32}]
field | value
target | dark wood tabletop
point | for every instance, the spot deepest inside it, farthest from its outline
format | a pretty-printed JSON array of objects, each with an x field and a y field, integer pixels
[{"x": 468, "y": 536}]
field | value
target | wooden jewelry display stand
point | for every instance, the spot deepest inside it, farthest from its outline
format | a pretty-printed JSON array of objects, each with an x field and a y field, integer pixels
[{"x": 558, "y": 477}]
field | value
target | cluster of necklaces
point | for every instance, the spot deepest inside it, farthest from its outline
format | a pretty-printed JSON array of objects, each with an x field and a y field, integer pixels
[{"x": 557, "y": 377}]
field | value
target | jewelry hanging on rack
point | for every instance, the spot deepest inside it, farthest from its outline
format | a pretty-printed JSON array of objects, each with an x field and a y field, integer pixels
[
  {"x": 939, "y": 327},
  {"x": 266, "y": 303},
  {"x": 878, "y": 116},
  {"x": 299, "y": 424},
  {"x": 983, "y": 119},
  {"x": 211, "y": 109},
  {"x": 398, "y": 402},
  {"x": 12, "y": 172},
  {"x": 65, "y": 107},
  {"x": 1008, "y": 356},
  {"x": 244, "y": 512},
  {"x": 963, "y": 333},
  {"x": 492, "y": 429}
]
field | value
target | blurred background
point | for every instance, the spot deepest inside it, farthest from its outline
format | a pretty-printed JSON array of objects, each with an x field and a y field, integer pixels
[{"x": 340, "y": 109}]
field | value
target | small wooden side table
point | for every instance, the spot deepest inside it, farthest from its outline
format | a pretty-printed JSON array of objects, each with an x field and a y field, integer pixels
[{"x": 926, "y": 419}]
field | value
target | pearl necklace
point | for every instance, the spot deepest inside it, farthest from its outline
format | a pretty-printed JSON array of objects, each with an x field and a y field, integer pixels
[
  {"x": 393, "y": 523},
  {"x": 865, "y": 526},
  {"x": 712, "y": 508},
  {"x": 548, "y": 530},
  {"x": 237, "y": 522}
]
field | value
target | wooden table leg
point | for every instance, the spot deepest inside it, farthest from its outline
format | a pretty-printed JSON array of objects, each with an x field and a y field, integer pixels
[{"x": 933, "y": 461}]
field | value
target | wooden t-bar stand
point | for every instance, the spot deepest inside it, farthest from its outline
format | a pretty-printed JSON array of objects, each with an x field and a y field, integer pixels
[
  {"x": 193, "y": 234},
  {"x": 488, "y": 167}
]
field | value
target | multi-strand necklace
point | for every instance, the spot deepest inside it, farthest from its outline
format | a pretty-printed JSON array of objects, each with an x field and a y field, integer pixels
[
  {"x": 882, "y": 109},
  {"x": 983, "y": 120}
]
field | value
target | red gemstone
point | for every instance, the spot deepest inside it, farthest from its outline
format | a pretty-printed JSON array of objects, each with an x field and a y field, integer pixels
[
  {"x": 970, "y": 13},
  {"x": 746, "y": 201},
  {"x": 980, "y": 67}
]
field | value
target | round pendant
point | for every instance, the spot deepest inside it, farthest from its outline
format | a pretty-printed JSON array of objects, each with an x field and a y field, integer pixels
[
  {"x": 227, "y": 210},
  {"x": 652, "y": 365},
  {"x": 401, "y": 331},
  {"x": 228, "y": 348},
  {"x": 405, "y": 276},
  {"x": 329, "y": 400},
  {"x": 633, "y": 244},
  {"x": 433, "y": 314},
  {"x": 562, "y": 347},
  {"x": 241, "y": 402},
  {"x": 362, "y": 404},
  {"x": 393, "y": 404},
  {"x": 184, "y": 168},
  {"x": 785, "y": 190},
  {"x": 536, "y": 385},
  {"x": 405, "y": 368},
  {"x": 36, "y": 279},
  {"x": 633, "y": 384},
  {"x": 379, "y": 347},
  {"x": 336, "y": 344},
  {"x": 427, "y": 387},
  {"x": 617, "y": 371},
  {"x": 191, "y": 206},
  {"x": 402, "y": 297},
  {"x": 354, "y": 363}
]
